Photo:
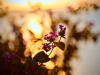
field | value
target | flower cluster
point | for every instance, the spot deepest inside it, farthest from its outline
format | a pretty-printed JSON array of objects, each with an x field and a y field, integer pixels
[
  {"x": 51, "y": 36},
  {"x": 31, "y": 66},
  {"x": 11, "y": 59},
  {"x": 62, "y": 30},
  {"x": 47, "y": 46}
]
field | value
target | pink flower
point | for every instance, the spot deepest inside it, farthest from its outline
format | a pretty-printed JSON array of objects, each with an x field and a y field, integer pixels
[
  {"x": 47, "y": 46},
  {"x": 51, "y": 36}
]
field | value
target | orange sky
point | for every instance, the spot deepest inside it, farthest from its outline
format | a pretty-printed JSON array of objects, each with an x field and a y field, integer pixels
[{"x": 52, "y": 4}]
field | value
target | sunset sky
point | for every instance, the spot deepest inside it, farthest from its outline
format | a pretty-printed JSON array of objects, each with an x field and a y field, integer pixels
[{"x": 52, "y": 4}]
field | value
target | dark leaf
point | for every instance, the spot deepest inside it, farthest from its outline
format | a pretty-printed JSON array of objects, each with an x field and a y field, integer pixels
[
  {"x": 32, "y": 63},
  {"x": 41, "y": 57},
  {"x": 61, "y": 45},
  {"x": 21, "y": 67},
  {"x": 43, "y": 71}
]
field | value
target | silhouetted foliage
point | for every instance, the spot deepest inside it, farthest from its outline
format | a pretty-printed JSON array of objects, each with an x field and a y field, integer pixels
[
  {"x": 41, "y": 57},
  {"x": 61, "y": 45}
]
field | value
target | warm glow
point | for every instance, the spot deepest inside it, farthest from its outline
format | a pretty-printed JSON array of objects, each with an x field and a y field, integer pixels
[
  {"x": 36, "y": 29},
  {"x": 44, "y": 4},
  {"x": 49, "y": 65},
  {"x": 42, "y": 1}
]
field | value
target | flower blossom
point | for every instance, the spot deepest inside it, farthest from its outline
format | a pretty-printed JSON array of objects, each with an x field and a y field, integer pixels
[
  {"x": 11, "y": 59},
  {"x": 51, "y": 36},
  {"x": 62, "y": 30},
  {"x": 47, "y": 46}
]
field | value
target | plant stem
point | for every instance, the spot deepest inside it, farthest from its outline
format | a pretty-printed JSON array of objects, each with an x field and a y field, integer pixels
[
  {"x": 51, "y": 51},
  {"x": 59, "y": 39},
  {"x": 53, "y": 48}
]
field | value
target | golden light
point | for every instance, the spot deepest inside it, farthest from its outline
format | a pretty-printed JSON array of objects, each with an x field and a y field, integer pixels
[
  {"x": 49, "y": 65},
  {"x": 36, "y": 29},
  {"x": 42, "y": 1},
  {"x": 44, "y": 4}
]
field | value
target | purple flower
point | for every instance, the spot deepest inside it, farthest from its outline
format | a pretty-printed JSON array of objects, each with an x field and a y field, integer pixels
[
  {"x": 47, "y": 46},
  {"x": 62, "y": 30},
  {"x": 61, "y": 27},
  {"x": 11, "y": 59},
  {"x": 51, "y": 36},
  {"x": 54, "y": 34}
]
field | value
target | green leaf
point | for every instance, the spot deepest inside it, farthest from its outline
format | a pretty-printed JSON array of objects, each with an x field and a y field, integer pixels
[
  {"x": 41, "y": 57},
  {"x": 61, "y": 45}
]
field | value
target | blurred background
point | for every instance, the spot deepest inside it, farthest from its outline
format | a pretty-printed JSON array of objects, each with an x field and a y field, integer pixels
[{"x": 24, "y": 22}]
